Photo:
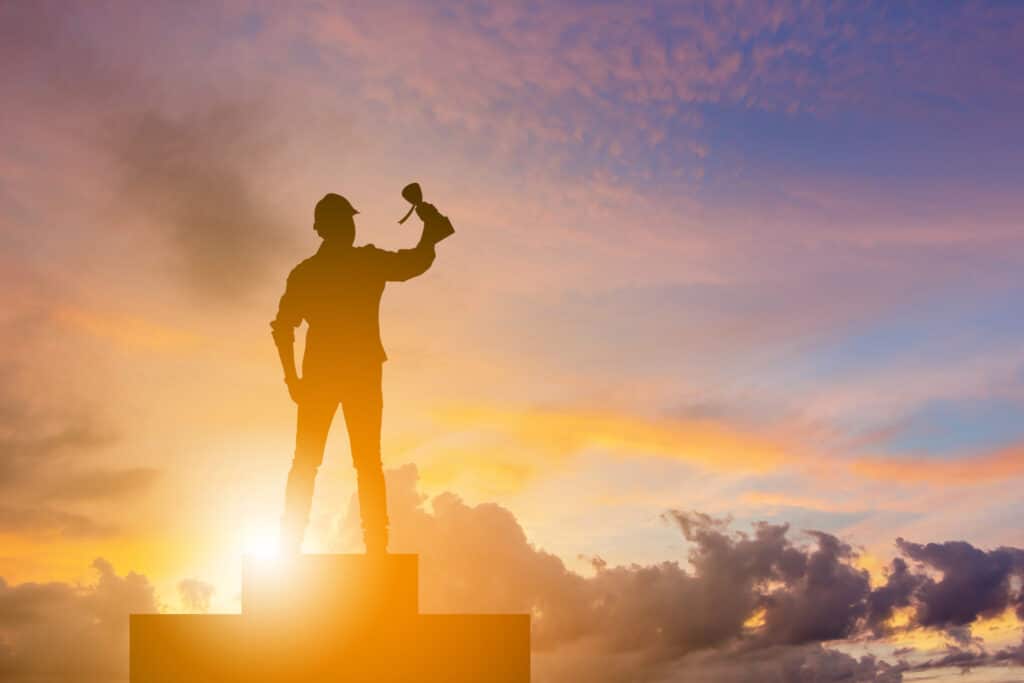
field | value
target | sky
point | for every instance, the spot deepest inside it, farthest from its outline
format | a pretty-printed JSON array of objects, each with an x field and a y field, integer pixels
[{"x": 730, "y": 280}]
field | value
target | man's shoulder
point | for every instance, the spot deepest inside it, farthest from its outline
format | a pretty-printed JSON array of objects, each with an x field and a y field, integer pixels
[
  {"x": 366, "y": 255},
  {"x": 304, "y": 266},
  {"x": 370, "y": 255}
]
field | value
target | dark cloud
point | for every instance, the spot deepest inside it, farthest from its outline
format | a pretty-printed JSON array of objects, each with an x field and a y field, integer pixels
[
  {"x": 50, "y": 444},
  {"x": 195, "y": 594},
  {"x": 826, "y": 601},
  {"x": 783, "y": 664},
  {"x": 68, "y": 632},
  {"x": 900, "y": 586},
  {"x": 747, "y": 607},
  {"x": 966, "y": 659},
  {"x": 461, "y": 545},
  {"x": 622, "y": 623},
  {"x": 185, "y": 153},
  {"x": 728, "y": 572},
  {"x": 756, "y": 606},
  {"x": 191, "y": 176},
  {"x": 45, "y": 471},
  {"x": 25, "y": 448},
  {"x": 102, "y": 483},
  {"x": 39, "y": 521},
  {"x": 974, "y": 583}
]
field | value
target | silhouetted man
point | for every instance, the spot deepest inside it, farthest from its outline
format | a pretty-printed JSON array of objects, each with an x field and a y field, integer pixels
[{"x": 337, "y": 291}]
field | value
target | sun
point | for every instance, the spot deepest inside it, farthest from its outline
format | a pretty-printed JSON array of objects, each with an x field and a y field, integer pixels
[{"x": 261, "y": 544}]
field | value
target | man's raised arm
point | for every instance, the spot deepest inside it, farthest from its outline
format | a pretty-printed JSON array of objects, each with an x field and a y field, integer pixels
[{"x": 405, "y": 264}]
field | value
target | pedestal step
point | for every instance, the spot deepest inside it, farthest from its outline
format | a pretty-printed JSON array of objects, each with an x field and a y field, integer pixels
[
  {"x": 330, "y": 618},
  {"x": 454, "y": 648}
]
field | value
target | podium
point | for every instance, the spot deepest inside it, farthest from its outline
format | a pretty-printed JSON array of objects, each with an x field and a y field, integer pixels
[{"x": 327, "y": 619}]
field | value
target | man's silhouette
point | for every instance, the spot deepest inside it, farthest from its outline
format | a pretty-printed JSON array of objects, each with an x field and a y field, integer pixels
[{"x": 337, "y": 291}]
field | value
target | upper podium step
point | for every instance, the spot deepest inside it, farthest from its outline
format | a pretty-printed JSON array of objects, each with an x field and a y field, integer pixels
[{"x": 331, "y": 586}]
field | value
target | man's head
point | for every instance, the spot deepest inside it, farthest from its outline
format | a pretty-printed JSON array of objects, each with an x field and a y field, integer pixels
[{"x": 333, "y": 219}]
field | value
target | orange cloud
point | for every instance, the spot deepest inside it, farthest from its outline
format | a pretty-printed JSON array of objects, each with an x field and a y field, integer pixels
[
  {"x": 561, "y": 433},
  {"x": 128, "y": 331},
  {"x": 1007, "y": 462}
]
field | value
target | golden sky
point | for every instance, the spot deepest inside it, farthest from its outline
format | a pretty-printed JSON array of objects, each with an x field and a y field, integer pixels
[{"x": 759, "y": 261}]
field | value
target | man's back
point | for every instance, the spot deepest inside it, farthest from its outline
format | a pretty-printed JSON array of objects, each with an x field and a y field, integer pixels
[{"x": 337, "y": 291}]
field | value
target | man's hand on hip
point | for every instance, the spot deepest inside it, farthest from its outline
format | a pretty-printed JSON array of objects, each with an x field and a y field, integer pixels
[{"x": 295, "y": 388}]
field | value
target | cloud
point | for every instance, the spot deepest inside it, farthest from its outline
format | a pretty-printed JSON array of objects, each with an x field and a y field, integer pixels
[
  {"x": 897, "y": 591},
  {"x": 560, "y": 433},
  {"x": 69, "y": 632},
  {"x": 41, "y": 473},
  {"x": 127, "y": 331},
  {"x": 191, "y": 176},
  {"x": 784, "y": 665},
  {"x": 722, "y": 444},
  {"x": 46, "y": 469},
  {"x": 974, "y": 583},
  {"x": 40, "y": 521},
  {"x": 102, "y": 483},
  {"x": 995, "y": 466},
  {"x": 182, "y": 164},
  {"x": 743, "y": 607},
  {"x": 826, "y": 602},
  {"x": 614, "y": 86},
  {"x": 195, "y": 594},
  {"x": 23, "y": 453},
  {"x": 968, "y": 659}
]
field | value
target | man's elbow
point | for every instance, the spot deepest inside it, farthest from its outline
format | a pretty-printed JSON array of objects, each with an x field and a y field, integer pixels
[
  {"x": 416, "y": 268},
  {"x": 428, "y": 260}
]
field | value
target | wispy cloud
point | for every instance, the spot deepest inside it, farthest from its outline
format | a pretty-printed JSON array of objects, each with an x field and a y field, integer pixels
[
  {"x": 565, "y": 433},
  {"x": 1001, "y": 465}
]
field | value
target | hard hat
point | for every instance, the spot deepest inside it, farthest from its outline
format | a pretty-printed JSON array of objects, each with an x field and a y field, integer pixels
[{"x": 333, "y": 205}]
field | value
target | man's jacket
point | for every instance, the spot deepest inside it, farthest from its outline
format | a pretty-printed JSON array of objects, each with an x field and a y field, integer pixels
[{"x": 337, "y": 291}]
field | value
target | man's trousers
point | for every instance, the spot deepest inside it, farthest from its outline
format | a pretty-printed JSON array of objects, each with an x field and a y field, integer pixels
[{"x": 359, "y": 393}]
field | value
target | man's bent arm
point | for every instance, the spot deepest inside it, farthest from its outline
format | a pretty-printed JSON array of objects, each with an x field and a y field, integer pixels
[
  {"x": 405, "y": 264},
  {"x": 286, "y": 351},
  {"x": 283, "y": 331}
]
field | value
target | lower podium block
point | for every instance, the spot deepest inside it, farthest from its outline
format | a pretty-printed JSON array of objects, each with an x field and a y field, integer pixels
[
  {"x": 326, "y": 587},
  {"x": 285, "y": 634}
]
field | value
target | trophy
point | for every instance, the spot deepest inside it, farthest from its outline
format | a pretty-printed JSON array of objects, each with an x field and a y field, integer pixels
[{"x": 436, "y": 226}]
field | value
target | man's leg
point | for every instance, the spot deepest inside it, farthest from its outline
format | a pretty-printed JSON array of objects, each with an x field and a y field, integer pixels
[
  {"x": 314, "y": 421},
  {"x": 363, "y": 404}
]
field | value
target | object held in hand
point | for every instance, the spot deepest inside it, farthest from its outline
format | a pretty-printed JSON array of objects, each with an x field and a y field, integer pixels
[
  {"x": 436, "y": 227},
  {"x": 414, "y": 195}
]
